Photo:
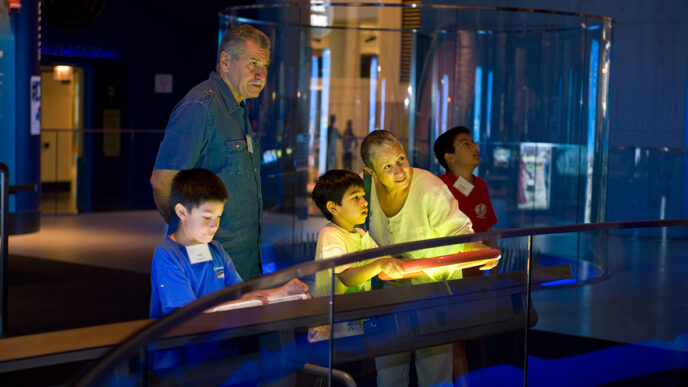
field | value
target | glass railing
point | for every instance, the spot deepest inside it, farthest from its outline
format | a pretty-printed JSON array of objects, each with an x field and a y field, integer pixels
[{"x": 577, "y": 304}]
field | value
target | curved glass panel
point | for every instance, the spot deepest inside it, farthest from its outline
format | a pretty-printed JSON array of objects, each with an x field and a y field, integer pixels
[{"x": 531, "y": 86}]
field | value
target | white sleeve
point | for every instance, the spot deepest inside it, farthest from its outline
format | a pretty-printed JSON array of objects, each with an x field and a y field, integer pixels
[
  {"x": 331, "y": 244},
  {"x": 445, "y": 218}
]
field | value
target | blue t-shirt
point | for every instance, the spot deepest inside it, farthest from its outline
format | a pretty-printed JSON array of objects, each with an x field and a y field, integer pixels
[
  {"x": 175, "y": 281},
  {"x": 209, "y": 129}
]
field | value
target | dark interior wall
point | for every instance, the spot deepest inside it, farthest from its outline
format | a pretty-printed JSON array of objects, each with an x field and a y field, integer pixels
[{"x": 146, "y": 38}]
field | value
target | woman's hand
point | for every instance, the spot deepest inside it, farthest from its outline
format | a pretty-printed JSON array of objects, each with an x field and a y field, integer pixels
[
  {"x": 391, "y": 266},
  {"x": 489, "y": 264}
]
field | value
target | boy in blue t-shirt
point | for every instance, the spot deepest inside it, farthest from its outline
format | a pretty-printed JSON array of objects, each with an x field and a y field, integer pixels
[{"x": 189, "y": 264}]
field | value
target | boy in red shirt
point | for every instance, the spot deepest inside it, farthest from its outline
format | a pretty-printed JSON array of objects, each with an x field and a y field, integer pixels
[{"x": 459, "y": 155}]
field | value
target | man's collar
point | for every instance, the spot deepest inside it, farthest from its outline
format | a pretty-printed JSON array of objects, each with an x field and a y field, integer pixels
[{"x": 230, "y": 101}]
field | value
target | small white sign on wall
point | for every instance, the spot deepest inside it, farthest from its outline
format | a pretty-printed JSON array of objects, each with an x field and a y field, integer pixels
[
  {"x": 35, "y": 105},
  {"x": 163, "y": 83}
]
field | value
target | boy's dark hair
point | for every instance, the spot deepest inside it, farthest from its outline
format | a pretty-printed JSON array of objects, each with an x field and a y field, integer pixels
[
  {"x": 445, "y": 143},
  {"x": 331, "y": 186},
  {"x": 193, "y": 187}
]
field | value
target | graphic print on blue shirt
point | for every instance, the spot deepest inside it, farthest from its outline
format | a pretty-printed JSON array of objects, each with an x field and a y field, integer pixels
[{"x": 176, "y": 282}]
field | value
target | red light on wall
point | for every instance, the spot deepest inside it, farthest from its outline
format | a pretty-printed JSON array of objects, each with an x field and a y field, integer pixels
[{"x": 14, "y": 5}]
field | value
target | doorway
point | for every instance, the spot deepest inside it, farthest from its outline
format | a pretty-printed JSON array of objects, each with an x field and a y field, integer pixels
[{"x": 62, "y": 106}]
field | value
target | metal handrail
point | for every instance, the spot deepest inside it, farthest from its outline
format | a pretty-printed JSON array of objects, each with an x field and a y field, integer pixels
[
  {"x": 5, "y": 191},
  {"x": 138, "y": 339},
  {"x": 339, "y": 375}
]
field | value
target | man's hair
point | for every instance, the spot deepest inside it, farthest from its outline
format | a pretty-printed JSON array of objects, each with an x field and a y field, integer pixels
[
  {"x": 193, "y": 187},
  {"x": 374, "y": 140},
  {"x": 331, "y": 186},
  {"x": 445, "y": 143},
  {"x": 234, "y": 41}
]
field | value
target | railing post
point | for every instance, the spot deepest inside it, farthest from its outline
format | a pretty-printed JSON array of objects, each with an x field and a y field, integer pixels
[
  {"x": 4, "y": 237},
  {"x": 527, "y": 324},
  {"x": 331, "y": 323}
]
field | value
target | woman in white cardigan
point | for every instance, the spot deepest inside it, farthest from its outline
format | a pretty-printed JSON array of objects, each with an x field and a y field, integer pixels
[{"x": 409, "y": 204}]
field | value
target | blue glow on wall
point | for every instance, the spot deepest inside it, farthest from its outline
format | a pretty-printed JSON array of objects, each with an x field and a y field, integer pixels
[
  {"x": 373, "y": 94},
  {"x": 445, "y": 102},
  {"x": 382, "y": 104},
  {"x": 78, "y": 51},
  {"x": 478, "y": 102},
  {"x": 437, "y": 114},
  {"x": 324, "y": 110},
  {"x": 592, "y": 115},
  {"x": 313, "y": 107},
  {"x": 488, "y": 108}
]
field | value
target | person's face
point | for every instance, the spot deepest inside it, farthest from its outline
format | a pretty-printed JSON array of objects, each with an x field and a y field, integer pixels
[
  {"x": 246, "y": 74},
  {"x": 352, "y": 211},
  {"x": 202, "y": 222},
  {"x": 391, "y": 167},
  {"x": 466, "y": 154}
]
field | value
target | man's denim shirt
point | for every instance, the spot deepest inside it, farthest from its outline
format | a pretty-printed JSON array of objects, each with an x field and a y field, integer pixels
[{"x": 208, "y": 129}]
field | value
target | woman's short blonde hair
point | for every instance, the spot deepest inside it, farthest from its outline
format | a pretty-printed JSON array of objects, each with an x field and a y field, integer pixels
[{"x": 374, "y": 140}]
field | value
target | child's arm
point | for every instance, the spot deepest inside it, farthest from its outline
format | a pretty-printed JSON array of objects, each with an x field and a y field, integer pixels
[
  {"x": 246, "y": 297},
  {"x": 354, "y": 276},
  {"x": 292, "y": 287},
  {"x": 295, "y": 286}
]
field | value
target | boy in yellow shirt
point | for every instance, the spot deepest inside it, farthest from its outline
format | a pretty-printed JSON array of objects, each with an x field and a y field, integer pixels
[{"x": 339, "y": 194}]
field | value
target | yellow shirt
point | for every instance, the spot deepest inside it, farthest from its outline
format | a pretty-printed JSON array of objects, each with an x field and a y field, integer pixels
[{"x": 334, "y": 241}]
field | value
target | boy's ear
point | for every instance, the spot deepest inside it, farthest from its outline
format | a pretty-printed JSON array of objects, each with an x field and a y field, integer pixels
[
  {"x": 449, "y": 158},
  {"x": 180, "y": 210},
  {"x": 331, "y": 206}
]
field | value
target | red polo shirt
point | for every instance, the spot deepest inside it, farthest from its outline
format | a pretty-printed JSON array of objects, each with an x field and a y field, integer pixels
[{"x": 477, "y": 205}]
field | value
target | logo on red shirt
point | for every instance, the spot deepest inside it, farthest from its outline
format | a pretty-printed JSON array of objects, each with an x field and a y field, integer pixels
[{"x": 480, "y": 210}]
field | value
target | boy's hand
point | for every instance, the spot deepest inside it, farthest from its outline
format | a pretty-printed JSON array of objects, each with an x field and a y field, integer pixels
[
  {"x": 392, "y": 267},
  {"x": 295, "y": 286}
]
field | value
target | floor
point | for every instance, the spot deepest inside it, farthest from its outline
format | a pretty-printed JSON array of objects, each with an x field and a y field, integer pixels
[{"x": 126, "y": 240}]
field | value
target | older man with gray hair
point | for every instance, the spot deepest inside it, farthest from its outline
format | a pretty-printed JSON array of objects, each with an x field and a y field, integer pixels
[{"x": 209, "y": 128}]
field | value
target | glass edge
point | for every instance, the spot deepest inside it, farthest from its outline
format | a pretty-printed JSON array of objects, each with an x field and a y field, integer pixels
[{"x": 415, "y": 6}]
